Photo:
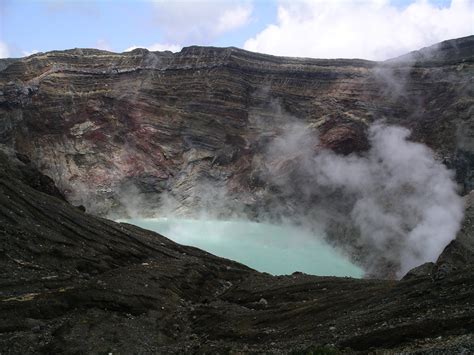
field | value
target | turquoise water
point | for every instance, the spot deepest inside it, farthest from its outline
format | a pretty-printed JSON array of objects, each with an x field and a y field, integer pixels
[{"x": 265, "y": 247}]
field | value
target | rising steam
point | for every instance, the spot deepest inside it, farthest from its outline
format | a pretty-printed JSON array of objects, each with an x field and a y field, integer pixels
[
  {"x": 396, "y": 200},
  {"x": 391, "y": 208}
]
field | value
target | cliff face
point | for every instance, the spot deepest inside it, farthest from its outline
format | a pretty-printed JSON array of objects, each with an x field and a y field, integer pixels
[
  {"x": 120, "y": 130},
  {"x": 102, "y": 123},
  {"x": 74, "y": 283},
  {"x": 148, "y": 132}
]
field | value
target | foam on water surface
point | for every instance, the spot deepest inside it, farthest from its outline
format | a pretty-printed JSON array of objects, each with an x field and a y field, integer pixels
[{"x": 264, "y": 247}]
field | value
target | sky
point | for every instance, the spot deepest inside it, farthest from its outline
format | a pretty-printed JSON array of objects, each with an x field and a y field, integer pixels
[{"x": 368, "y": 29}]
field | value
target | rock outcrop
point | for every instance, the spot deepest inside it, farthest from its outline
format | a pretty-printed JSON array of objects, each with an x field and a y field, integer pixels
[
  {"x": 460, "y": 252},
  {"x": 74, "y": 283}
]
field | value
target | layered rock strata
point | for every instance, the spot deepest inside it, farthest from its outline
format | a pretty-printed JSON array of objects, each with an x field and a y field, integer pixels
[
  {"x": 149, "y": 133},
  {"x": 100, "y": 123}
]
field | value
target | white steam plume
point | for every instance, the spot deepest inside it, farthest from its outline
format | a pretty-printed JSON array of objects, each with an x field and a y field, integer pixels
[{"x": 400, "y": 200}]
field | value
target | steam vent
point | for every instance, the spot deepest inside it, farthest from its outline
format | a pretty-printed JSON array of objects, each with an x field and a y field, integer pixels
[{"x": 217, "y": 200}]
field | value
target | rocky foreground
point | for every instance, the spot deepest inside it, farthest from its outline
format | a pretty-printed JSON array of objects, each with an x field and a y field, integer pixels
[{"x": 74, "y": 283}]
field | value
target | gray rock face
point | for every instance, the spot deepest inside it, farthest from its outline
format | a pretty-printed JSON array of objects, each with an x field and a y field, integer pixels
[
  {"x": 459, "y": 252},
  {"x": 425, "y": 269}
]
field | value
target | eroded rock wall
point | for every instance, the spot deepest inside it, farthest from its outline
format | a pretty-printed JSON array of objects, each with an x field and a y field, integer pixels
[
  {"x": 100, "y": 123},
  {"x": 150, "y": 133}
]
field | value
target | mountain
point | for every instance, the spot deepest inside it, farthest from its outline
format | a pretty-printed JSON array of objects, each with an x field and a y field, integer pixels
[
  {"x": 99, "y": 123},
  {"x": 87, "y": 134},
  {"x": 157, "y": 133}
]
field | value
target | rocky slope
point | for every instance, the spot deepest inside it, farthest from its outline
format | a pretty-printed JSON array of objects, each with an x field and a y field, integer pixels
[{"x": 74, "y": 283}]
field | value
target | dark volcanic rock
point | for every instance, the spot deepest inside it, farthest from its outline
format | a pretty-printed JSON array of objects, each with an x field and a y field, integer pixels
[
  {"x": 74, "y": 283},
  {"x": 344, "y": 139},
  {"x": 20, "y": 167},
  {"x": 425, "y": 269},
  {"x": 460, "y": 252}
]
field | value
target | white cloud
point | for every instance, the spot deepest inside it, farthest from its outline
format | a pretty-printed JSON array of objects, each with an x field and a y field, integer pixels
[
  {"x": 233, "y": 18},
  {"x": 370, "y": 29},
  {"x": 200, "y": 21},
  {"x": 4, "y": 50},
  {"x": 103, "y": 44},
  {"x": 28, "y": 53},
  {"x": 158, "y": 47}
]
